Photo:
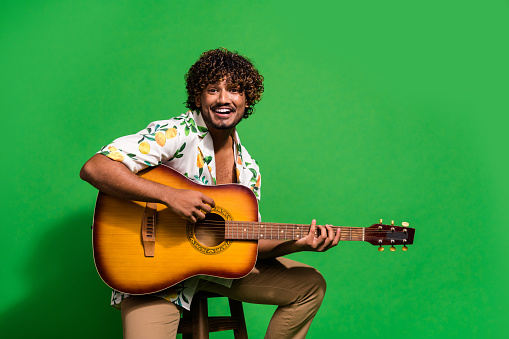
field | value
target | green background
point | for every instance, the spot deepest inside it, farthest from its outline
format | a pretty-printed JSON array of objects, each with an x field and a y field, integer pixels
[{"x": 372, "y": 109}]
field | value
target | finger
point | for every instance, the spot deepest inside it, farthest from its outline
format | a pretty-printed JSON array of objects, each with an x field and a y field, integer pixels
[
  {"x": 312, "y": 229},
  {"x": 191, "y": 218},
  {"x": 323, "y": 232},
  {"x": 328, "y": 236},
  {"x": 208, "y": 200},
  {"x": 337, "y": 238},
  {"x": 206, "y": 208},
  {"x": 332, "y": 240},
  {"x": 199, "y": 215},
  {"x": 330, "y": 232}
]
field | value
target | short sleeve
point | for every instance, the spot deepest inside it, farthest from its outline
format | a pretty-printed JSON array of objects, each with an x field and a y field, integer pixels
[{"x": 159, "y": 142}]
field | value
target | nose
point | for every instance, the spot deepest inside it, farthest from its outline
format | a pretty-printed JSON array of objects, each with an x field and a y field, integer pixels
[{"x": 224, "y": 97}]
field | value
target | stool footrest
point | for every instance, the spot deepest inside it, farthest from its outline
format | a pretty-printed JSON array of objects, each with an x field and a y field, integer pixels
[{"x": 216, "y": 324}]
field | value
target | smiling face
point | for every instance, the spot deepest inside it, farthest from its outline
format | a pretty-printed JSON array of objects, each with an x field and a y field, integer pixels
[{"x": 222, "y": 105}]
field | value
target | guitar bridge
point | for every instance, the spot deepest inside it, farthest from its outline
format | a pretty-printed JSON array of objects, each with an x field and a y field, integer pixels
[{"x": 148, "y": 229}]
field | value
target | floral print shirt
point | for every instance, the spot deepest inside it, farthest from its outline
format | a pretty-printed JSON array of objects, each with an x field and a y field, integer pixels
[{"x": 184, "y": 144}]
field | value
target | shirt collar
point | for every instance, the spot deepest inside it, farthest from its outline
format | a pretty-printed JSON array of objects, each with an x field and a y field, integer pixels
[
  {"x": 200, "y": 123},
  {"x": 203, "y": 133}
]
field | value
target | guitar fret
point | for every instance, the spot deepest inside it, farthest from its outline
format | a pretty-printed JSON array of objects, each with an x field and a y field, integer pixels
[
  {"x": 249, "y": 230},
  {"x": 240, "y": 229}
]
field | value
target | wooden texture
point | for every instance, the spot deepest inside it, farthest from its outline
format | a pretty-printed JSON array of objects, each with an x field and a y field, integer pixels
[
  {"x": 196, "y": 324},
  {"x": 118, "y": 246}
]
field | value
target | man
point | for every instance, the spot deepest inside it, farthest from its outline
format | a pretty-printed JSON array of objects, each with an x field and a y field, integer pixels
[{"x": 203, "y": 144}]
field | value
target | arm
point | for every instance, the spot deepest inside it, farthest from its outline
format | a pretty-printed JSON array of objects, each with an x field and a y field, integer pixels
[
  {"x": 277, "y": 248},
  {"x": 114, "y": 178}
]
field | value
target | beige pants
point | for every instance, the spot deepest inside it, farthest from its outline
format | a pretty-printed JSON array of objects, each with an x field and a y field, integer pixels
[{"x": 296, "y": 288}]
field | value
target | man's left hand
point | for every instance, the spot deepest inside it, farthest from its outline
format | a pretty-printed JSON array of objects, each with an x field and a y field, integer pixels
[{"x": 321, "y": 243}]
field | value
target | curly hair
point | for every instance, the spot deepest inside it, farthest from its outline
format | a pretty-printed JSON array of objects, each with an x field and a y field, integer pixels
[{"x": 218, "y": 64}]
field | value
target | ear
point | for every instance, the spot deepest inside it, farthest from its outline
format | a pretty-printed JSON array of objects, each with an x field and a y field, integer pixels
[{"x": 197, "y": 100}]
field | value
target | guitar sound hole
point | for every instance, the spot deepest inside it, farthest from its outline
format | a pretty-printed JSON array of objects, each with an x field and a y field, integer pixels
[{"x": 210, "y": 231}]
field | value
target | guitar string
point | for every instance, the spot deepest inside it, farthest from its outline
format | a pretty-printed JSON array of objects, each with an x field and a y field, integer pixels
[
  {"x": 275, "y": 228},
  {"x": 271, "y": 227},
  {"x": 241, "y": 223},
  {"x": 351, "y": 233},
  {"x": 235, "y": 224},
  {"x": 255, "y": 223}
]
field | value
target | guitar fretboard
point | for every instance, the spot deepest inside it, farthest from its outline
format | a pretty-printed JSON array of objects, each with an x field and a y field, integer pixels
[{"x": 248, "y": 230}]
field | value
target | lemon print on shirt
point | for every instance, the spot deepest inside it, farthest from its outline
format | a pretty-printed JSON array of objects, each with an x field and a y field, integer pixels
[
  {"x": 160, "y": 138},
  {"x": 144, "y": 147},
  {"x": 171, "y": 133},
  {"x": 116, "y": 155},
  {"x": 199, "y": 161}
]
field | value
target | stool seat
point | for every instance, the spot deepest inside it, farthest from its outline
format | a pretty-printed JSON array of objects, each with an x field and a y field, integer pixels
[{"x": 197, "y": 324}]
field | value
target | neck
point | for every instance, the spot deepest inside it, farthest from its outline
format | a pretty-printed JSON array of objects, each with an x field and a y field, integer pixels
[
  {"x": 284, "y": 231},
  {"x": 222, "y": 138}
]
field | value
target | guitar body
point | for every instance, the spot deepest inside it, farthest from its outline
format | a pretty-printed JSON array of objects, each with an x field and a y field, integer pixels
[{"x": 182, "y": 249}]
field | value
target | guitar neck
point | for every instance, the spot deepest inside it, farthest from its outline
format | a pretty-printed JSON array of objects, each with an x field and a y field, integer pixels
[{"x": 247, "y": 230}]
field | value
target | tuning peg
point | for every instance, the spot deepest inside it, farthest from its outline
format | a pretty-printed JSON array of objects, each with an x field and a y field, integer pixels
[
  {"x": 393, "y": 249},
  {"x": 392, "y": 222},
  {"x": 405, "y": 224},
  {"x": 404, "y": 248},
  {"x": 381, "y": 221},
  {"x": 380, "y": 249}
]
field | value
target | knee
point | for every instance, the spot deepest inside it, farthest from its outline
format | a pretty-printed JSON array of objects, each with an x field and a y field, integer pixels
[{"x": 316, "y": 285}]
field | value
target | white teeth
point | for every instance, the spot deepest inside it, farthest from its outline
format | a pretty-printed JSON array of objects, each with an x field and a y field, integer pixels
[{"x": 223, "y": 110}]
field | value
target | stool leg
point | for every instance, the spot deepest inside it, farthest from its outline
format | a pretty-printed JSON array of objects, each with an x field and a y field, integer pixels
[
  {"x": 186, "y": 315},
  {"x": 200, "y": 318},
  {"x": 237, "y": 312}
]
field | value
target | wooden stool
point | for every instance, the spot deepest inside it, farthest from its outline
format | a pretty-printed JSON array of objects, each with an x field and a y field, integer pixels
[{"x": 197, "y": 324}]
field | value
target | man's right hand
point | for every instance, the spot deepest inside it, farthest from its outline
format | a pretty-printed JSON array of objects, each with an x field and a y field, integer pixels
[
  {"x": 114, "y": 178},
  {"x": 190, "y": 204}
]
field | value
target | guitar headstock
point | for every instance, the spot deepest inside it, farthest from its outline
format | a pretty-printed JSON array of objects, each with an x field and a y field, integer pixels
[{"x": 381, "y": 234}]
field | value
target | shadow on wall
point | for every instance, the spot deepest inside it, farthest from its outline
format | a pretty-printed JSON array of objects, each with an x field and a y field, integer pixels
[{"x": 68, "y": 299}]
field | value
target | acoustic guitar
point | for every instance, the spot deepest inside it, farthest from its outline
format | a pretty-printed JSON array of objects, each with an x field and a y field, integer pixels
[{"x": 143, "y": 247}]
